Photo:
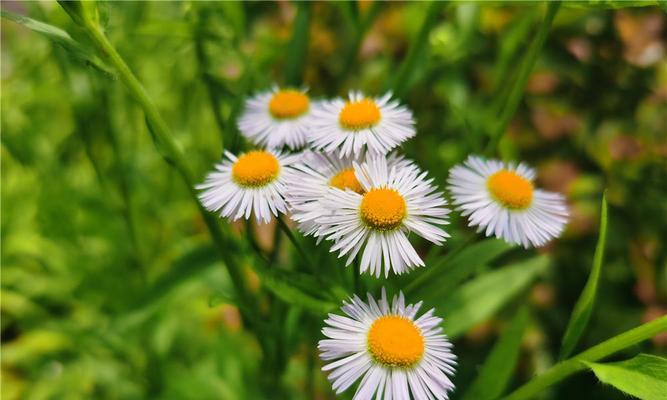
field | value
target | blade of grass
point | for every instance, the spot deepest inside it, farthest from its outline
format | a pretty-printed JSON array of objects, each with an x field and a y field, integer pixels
[
  {"x": 419, "y": 44},
  {"x": 165, "y": 143},
  {"x": 480, "y": 298},
  {"x": 526, "y": 67},
  {"x": 353, "y": 50},
  {"x": 62, "y": 38},
  {"x": 584, "y": 307},
  {"x": 298, "y": 46},
  {"x": 575, "y": 364},
  {"x": 499, "y": 365}
]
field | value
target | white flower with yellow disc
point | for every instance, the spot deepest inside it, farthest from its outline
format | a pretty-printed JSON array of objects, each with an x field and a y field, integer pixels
[
  {"x": 394, "y": 201},
  {"x": 253, "y": 183},
  {"x": 396, "y": 354},
  {"x": 500, "y": 199},
  {"x": 360, "y": 124},
  {"x": 277, "y": 118},
  {"x": 316, "y": 173}
]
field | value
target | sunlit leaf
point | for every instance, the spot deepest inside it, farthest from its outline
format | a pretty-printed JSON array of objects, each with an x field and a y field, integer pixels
[
  {"x": 497, "y": 370},
  {"x": 480, "y": 298},
  {"x": 584, "y": 307},
  {"x": 644, "y": 376}
]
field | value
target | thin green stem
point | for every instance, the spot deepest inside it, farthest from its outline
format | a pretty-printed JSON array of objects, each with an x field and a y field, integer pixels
[
  {"x": 170, "y": 151},
  {"x": 433, "y": 270},
  {"x": 575, "y": 364},
  {"x": 526, "y": 67},
  {"x": 203, "y": 64},
  {"x": 295, "y": 243},
  {"x": 360, "y": 31},
  {"x": 419, "y": 44}
]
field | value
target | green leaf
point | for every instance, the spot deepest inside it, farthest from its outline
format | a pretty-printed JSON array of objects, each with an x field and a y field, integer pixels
[
  {"x": 293, "y": 288},
  {"x": 446, "y": 274},
  {"x": 62, "y": 38},
  {"x": 418, "y": 46},
  {"x": 610, "y": 4},
  {"x": 499, "y": 365},
  {"x": 480, "y": 298},
  {"x": 584, "y": 307},
  {"x": 298, "y": 46},
  {"x": 644, "y": 376}
]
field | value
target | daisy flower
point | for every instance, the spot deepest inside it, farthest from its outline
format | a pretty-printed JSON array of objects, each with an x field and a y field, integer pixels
[
  {"x": 361, "y": 123},
  {"x": 394, "y": 353},
  {"x": 253, "y": 183},
  {"x": 395, "y": 201},
  {"x": 316, "y": 173},
  {"x": 277, "y": 118},
  {"x": 501, "y": 199}
]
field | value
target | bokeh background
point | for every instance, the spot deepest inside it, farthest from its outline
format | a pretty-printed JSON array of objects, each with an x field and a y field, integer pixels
[{"x": 111, "y": 287}]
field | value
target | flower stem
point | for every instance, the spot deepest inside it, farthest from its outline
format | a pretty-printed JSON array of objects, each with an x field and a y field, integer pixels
[
  {"x": 171, "y": 153},
  {"x": 288, "y": 232},
  {"x": 568, "y": 367},
  {"x": 526, "y": 67}
]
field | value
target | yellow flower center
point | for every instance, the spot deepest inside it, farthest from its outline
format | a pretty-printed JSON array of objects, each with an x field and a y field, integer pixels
[
  {"x": 510, "y": 189},
  {"x": 288, "y": 104},
  {"x": 395, "y": 341},
  {"x": 255, "y": 168},
  {"x": 346, "y": 179},
  {"x": 383, "y": 209},
  {"x": 357, "y": 115}
]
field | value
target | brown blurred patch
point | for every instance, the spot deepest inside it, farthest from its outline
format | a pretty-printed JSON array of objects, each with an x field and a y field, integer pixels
[
  {"x": 542, "y": 82},
  {"x": 553, "y": 123},
  {"x": 581, "y": 48},
  {"x": 542, "y": 295},
  {"x": 625, "y": 147},
  {"x": 652, "y": 313},
  {"x": 641, "y": 36},
  {"x": 558, "y": 175}
]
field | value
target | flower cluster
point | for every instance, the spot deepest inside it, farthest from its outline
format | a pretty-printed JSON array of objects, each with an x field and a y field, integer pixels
[{"x": 333, "y": 166}]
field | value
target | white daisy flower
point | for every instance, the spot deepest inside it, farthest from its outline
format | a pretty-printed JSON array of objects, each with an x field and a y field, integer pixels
[
  {"x": 277, "y": 118},
  {"x": 317, "y": 172},
  {"x": 500, "y": 198},
  {"x": 361, "y": 123},
  {"x": 395, "y": 201},
  {"x": 253, "y": 183},
  {"x": 397, "y": 354}
]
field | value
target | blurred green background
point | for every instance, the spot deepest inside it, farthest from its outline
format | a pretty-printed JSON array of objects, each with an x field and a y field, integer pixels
[{"x": 111, "y": 287}]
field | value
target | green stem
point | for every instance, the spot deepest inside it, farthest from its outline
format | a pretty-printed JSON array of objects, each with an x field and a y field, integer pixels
[
  {"x": 298, "y": 46},
  {"x": 288, "y": 232},
  {"x": 360, "y": 31},
  {"x": 420, "y": 43},
  {"x": 527, "y": 65},
  {"x": 568, "y": 367},
  {"x": 433, "y": 270},
  {"x": 212, "y": 91},
  {"x": 170, "y": 151}
]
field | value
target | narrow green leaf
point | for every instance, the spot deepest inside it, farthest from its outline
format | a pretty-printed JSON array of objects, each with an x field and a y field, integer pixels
[
  {"x": 298, "y": 46},
  {"x": 584, "y": 307},
  {"x": 644, "y": 376},
  {"x": 62, "y": 38},
  {"x": 294, "y": 288},
  {"x": 499, "y": 365},
  {"x": 448, "y": 272},
  {"x": 516, "y": 90},
  {"x": 480, "y": 298},
  {"x": 418, "y": 46}
]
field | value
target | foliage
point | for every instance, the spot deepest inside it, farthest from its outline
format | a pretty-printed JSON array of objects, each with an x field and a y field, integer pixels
[{"x": 116, "y": 284}]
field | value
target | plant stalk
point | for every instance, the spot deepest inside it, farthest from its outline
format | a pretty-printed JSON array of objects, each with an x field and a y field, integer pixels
[
  {"x": 575, "y": 364},
  {"x": 170, "y": 151},
  {"x": 517, "y": 89}
]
